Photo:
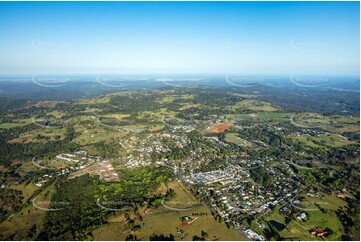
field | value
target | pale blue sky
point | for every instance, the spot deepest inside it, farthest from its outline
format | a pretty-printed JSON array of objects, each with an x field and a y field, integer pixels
[{"x": 180, "y": 37}]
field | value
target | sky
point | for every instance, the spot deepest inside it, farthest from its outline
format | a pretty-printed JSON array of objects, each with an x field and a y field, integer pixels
[{"x": 180, "y": 37}]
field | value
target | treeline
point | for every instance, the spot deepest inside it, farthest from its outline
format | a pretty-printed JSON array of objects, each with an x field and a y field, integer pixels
[
  {"x": 350, "y": 217},
  {"x": 260, "y": 175},
  {"x": 137, "y": 186},
  {"x": 81, "y": 202},
  {"x": 309, "y": 100},
  {"x": 10, "y": 202},
  {"x": 10, "y": 151},
  {"x": 77, "y": 213}
]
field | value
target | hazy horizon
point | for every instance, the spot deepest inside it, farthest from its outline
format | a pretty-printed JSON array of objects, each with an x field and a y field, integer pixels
[{"x": 266, "y": 38}]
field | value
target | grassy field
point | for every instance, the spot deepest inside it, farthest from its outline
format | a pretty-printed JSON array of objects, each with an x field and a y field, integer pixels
[
  {"x": 11, "y": 125},
  {"x": 189, "y": 105},
  {"x": 183, "y": 198},
  {"x": 348, "y": 128},
  {"x": 94, "y": 133},
  {"x": 164, "y": 221},
  {"x": 16, "y": 123},
  {"x": 48, "y": 104},
  {"x": 19, "y": 224},
  {"x": 114, "y": 231},
  {"x": 310, "y": 119},
  {"x": 328, "y": 201},
  {"x": 274, "y": 116},
  {"x": 156, "y": 127},
  {"x": 166, "y": 100},
  {"x": 27, "y": 190},
  {"x": 298, "y": 230},
  {"x": 56, "y": 114},
  {"x": 332, "y": 140},
  {"x": 302, "y": 167},
  {"x": 158, "y": 115},
  {"x": 26, "y": 167},
  {"x": 307, "y": 141},
  {"x": 94, "y": 136},
  {"x": 116, "y": 115},
  {"x": 333, "y": 123},
  {"x": 324, "y": 220},
  {"x": 176, "y": 97},
  {"x": 40, "y": 135},
  {"x": 345, "y": 119},
  {"x": 263, "y": 116},
  {"x": 234, "y": 138},
  {"x": 254, "y": 105}
]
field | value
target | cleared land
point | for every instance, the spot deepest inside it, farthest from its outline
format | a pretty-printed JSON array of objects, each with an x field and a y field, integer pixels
[
  {"x": 299, "y": 230},
  {"x": 220, "y": 128},
  {"x": 165, "y": 221}
]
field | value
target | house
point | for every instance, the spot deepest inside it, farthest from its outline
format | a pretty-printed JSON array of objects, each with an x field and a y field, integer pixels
[
  {"x": 318, "y": 232},
  {"x": 302, "y": 216},
  {"x": 148, "y": 210}
]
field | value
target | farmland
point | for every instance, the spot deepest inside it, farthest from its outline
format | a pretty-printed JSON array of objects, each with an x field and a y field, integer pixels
[{"x": 177, "y": 164}]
